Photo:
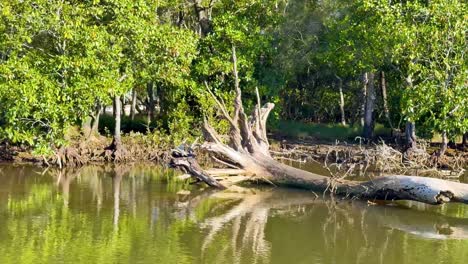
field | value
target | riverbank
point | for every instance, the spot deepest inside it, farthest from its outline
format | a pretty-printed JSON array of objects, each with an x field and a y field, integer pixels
[
  {"x": 136, "y": 147},
  {"x": 339, "y": 158},
  {"x": 345, "y": 158}
]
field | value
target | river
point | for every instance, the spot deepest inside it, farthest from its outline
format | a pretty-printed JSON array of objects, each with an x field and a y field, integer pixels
[{"x": 140, "y": 214}]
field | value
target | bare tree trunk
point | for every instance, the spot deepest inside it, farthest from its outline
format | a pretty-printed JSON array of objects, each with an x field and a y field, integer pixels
[
  {"x": 114, "y": 110},
  {"x": 410, "y": 135},
  {"x": 90, "y": 126},
  {"x": 180, "y": 19},
  {"x": 117, "y": 141},
  {"x": 465, "y": 140},
  {"x": 86, "y": 124},
  {"x": 204, "y": 16},
  {"x": 443, "y": 146},
  {"x": 95, "y": 122},
  {"x": 134, "y": 102},
  {"x": 342, "y": 103},
  {"x": 383, "y": 86},
  {"x": 410, "y": 141},
  {"x": 151, "y": 101},
  {"x": 122, "y": 104},
  {"x": 368, "y": 130},
  {"x": 116, "y": 149},
  {"x": 365, "y": 81},
  {"x": 248, "y": 149}
]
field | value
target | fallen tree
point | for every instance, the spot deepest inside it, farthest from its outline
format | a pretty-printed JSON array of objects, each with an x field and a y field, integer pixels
[{"x": 248, "y": 149}]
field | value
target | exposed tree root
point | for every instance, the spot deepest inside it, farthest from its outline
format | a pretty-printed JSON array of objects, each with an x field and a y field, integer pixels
[
  {"x": 248, "y": 149},
  {"x": 188, "y": 164},
  {"x": 68, "y": 156},
  {"x": 342, "y": 158},
  {"x": 134, "y": 148}
]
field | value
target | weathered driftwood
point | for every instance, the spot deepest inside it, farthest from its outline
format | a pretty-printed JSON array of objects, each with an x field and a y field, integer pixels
[
  {"x": 188, "y": 164},
  {"x": 248, "y": 149}
]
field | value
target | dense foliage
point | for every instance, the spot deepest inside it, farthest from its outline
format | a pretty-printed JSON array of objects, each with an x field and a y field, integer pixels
[
  {"x": 419, "y": 46},
  {"x": 61, "y": 59}
]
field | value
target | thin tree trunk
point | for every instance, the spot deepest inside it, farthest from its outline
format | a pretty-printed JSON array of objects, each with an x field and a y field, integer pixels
[
  {"x": 138, "y": 109},
  {"x": 134, "y": 102},
  {"x": 410, "y": 141},
  {"x": 204, "y": 16},
  {"x": 410, "y": 128},
  {"x": 180, "y": 19},
  {"x": 122, "y": 104},
  {"x": 151, "y": 101},
  {"x": 443, "y": 146},
  {"x": 342, "y": 103},
  {"x": 113, "y": 108},
  {"x": 410, "y": 135},
  {"x": 465, "y": 140},
  {"x": 368, "y": 130},
  {"x": 90, "y": 126},
  {"x": 117, "y": 141},
  {"x": 365, "y": 81},
  {"x": 95, "y": 123},
  {"x": 116, "y": 148},
  {"x": 383, "y": 86},
  {"x": 86, "y": 126}
]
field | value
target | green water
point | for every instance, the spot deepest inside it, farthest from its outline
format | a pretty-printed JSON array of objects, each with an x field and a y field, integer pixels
[{"x": 138, "y": 214}]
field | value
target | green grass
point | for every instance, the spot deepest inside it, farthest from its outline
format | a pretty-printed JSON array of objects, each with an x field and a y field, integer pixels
[
  {"x": 139, "y": 124},
  {"x": 437, "y": 138},
  {"x": 286, "y": 128},
  {"x": 327, "y": 132}
]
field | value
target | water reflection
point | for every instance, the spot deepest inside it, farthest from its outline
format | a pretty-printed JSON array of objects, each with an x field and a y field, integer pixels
[{"x": 139, "y": 214}]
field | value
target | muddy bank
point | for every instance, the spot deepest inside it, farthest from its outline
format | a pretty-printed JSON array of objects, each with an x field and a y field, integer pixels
[
  {"x": 136, "y": 147},
  {"x": 336, "y": 158},
  {"x": 344, "y": 159}
]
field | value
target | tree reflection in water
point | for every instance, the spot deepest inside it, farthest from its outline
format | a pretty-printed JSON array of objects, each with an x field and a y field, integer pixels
[{"x": 140, "y": 214}]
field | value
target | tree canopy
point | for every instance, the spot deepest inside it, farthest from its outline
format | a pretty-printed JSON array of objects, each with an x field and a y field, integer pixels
[{"x": 61, "y": 58}]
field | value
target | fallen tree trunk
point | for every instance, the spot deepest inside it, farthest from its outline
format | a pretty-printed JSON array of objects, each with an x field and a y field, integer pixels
[{"x": 248, "y": 149}]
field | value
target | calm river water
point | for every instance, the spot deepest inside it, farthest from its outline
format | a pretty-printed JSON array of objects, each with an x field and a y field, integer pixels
[{"x": 139, "y": 214}]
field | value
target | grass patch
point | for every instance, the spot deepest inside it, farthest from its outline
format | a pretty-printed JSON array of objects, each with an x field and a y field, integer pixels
[
  {"x": 328, "y": 132},
  {"x": 437, "y": 138},
  {"x": 139, "y": 124}
]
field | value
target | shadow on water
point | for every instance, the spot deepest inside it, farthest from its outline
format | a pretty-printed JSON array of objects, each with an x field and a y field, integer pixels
[{"x": 140, "y": 214}]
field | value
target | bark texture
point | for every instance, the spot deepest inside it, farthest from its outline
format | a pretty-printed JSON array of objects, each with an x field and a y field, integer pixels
[
  {"x": 365, "y": 81},
  {"x": 342, "y": 103},
  {"x": 115, "y": 151},
  {"x": 383, "y": 87},
  {"x": 95, "y": 121},
  {"x": 133, "y": 106},
  {"x": 86, "y": 126},
  {"x": 248, "y": 149},
  {"x": 150, "y": 104},
  {"x": 368, "y": 131},
  {"x": 465, "y": 140},
  {"x": 443, "y": 145},
  {"x": 117, "y": 141},
  {"x": 410, "y": 135},
  {"x": 204, "y": 16}
]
